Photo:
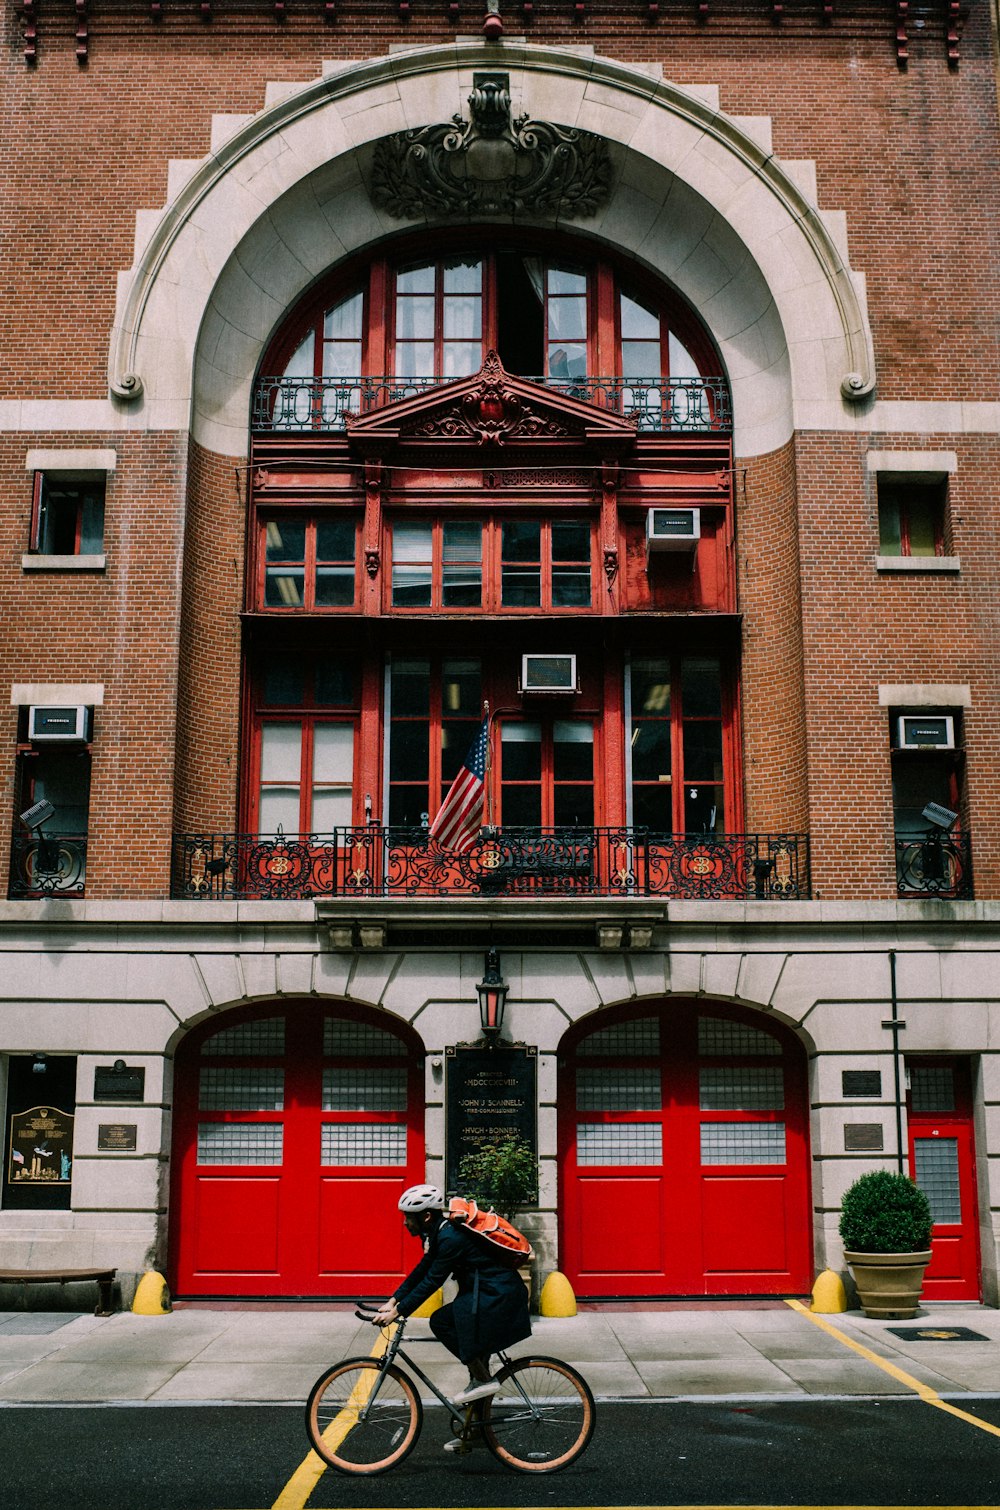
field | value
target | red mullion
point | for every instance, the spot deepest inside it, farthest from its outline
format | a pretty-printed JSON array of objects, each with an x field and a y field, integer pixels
[
  {"x": 437, "y": 564},
  {"x": 306, "y": 775},
  {"x": 676, "y": 744},
  {"x": 490, "y": 335},
  {"x": 36, "y": 511},
  {"x": 309, "y": 565},
  {"x": 904, "y": 527}
]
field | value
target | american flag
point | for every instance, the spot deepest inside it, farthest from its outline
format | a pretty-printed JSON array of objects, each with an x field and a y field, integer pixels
[{"x": 460, "y": 815}]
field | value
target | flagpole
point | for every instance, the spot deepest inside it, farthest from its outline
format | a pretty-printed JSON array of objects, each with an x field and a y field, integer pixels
[{"x": 488, "y": 766}]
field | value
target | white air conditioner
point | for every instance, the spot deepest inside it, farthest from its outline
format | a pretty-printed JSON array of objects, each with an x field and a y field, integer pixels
[
  {"x": 548, "y": 673},
  {"x": 58, "y": 725},
  {"x": 936, "y": 732},
  {"x": 673, "y": 529}
]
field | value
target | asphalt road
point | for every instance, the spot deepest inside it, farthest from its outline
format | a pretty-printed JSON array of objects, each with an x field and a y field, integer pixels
[{"x": 817, "y": 1452}]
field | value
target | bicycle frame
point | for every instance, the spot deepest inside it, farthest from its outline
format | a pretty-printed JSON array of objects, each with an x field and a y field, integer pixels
[{"x": 395, "y": 1350}]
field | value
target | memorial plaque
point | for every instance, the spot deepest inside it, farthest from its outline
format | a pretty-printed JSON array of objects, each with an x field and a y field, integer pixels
[
  {"x": 41, "y": 1147},
  {"x": 114, "y": 1084},
  {"x": 116, "y": 1135},
  {"x": 861, "y": 1082},
  {"x": 863, "y": 1135},
  {"x": 490, "y": 1094}
]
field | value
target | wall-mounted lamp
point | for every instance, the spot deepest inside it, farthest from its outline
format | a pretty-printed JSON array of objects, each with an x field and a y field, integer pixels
[{"x": 492, "y": 990}]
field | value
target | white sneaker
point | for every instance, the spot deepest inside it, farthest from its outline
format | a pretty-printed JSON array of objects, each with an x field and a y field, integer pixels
[
  {"x": 477, "y": 1392},
  {"x": 458, "y": 1444}
]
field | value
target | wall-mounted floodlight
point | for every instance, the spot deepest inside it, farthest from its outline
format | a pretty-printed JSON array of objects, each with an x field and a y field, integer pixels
[
  {"x": 35, "y": 816},
  {"x": 941, "y": 817}
]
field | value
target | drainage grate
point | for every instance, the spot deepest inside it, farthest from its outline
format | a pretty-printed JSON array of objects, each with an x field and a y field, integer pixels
[{"x": 937, "y": 1334}]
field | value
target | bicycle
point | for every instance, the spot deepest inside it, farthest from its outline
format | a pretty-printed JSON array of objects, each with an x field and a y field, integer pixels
[{"x": 364, "y": 1415}]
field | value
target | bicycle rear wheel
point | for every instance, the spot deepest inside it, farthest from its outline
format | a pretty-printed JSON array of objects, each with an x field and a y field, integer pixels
[
  {"x": 363, "y": 1416},
  {"x": 544, "y": 1417}
]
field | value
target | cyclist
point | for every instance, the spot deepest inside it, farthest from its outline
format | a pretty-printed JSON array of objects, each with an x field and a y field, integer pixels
[{"x": 490, "y": 1311}]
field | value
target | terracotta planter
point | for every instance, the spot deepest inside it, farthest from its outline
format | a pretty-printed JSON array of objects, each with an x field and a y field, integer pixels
[{"x": 889, "y": 1284}]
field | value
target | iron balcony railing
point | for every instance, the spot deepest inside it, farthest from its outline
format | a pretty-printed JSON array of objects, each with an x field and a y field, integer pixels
[
  {"x": 653, "y": 404},
  {"x": 47, "y": 865},
  {"x": 374, "y": 861},
  {"x": 935, "y": 864}
]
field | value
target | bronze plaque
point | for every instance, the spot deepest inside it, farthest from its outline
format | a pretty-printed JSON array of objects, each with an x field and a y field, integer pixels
[
  {"x": 489, "y": 1094},
  {"x": 113, "y": 1135},
  {"x": 41, "y": 1147},
  {"x": 863, "y": 1135}
]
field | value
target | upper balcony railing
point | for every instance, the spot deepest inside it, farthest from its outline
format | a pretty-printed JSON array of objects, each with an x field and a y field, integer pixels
[
  {"x": 935, "y": 864},
  {"x": 45, "y": 865},
  {"x": 373, "y": 861},
  {"x": 678, "y": 405}
]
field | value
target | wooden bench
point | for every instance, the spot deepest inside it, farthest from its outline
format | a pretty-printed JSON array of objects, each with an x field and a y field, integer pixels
[{"x": 104, "y": 1278}]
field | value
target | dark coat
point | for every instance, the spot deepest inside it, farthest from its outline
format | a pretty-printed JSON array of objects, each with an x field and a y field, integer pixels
[{"x": 491, "y": 1309}]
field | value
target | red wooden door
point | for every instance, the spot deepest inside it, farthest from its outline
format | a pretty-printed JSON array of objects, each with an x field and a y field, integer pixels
[
  {"x": 684, "y": 1156},
  {"x": 296, "y": 1132},
  {"x": 942, "y": 1161}
]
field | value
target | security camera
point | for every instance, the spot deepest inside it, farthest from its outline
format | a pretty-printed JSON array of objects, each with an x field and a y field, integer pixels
[{"x": 941, "y": 817}]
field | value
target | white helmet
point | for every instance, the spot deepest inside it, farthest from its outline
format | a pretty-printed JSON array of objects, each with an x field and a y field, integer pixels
[{"x": 421, "y": 1198}]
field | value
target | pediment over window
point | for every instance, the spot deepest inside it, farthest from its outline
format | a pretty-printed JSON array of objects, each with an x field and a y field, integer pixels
[{"x": 491, "y": 409}]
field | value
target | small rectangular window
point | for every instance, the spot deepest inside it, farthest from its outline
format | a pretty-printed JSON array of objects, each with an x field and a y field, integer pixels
[
  {"x": 68, "y": 515},
  {"x": 911, "y": 517}
]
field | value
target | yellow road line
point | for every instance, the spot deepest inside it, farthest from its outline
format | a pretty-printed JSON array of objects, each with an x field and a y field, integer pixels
[
  {"x": 928, "y": 1395},
  {"x": 312, "y": 1468}
]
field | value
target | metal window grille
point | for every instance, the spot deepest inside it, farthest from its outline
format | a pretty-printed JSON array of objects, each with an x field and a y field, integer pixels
[
  {"x": 263, "y": 1039},
  {"x": 241, "y": 1090},
  {"x": 619, "y": 1143},
  {"x": 363, "y": 1143},
  {"x": 618, "y": 1090},
  {"x": 935, "y": 1163},
  {"x": 719, "y": 1035},
  {"x": 743, "y": 1143},
  {"x": 741, "y": 1088},
  {"x": 638, "y": 1039},
  {"x": 364, "y": 1090},
  {"x": 932, "y": 1087},
  {"x": 239, "y": 1143},
  {"x": 359, "y": 1040}
]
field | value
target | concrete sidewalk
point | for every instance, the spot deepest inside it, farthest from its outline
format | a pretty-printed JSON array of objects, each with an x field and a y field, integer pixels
[{"x": 241, "y": 1355}]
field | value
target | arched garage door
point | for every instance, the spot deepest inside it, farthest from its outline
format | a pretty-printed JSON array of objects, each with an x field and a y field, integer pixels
[
  {"x": 684, "y": 1155},
  {"x": 296, "y": 1130}
]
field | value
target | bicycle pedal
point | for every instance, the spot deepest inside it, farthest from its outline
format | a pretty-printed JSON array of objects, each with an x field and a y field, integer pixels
[{"x": 458, "y": 1444}]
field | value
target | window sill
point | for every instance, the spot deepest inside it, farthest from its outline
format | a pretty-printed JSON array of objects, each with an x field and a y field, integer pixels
[
  {"x": 38, "y": 562},
  {"x": 918, "y": 563}
]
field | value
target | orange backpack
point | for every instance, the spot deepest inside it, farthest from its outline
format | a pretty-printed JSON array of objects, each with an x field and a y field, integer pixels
[{"x": 507, "y": 1245}]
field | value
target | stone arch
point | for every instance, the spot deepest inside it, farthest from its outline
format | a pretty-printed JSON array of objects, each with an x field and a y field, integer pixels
[{"x": 698, "y": 196}]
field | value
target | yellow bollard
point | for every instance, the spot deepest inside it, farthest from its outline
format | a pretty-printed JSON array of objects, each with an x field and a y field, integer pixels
[
  {"x": 152, "y": 1298},
  {"x": 431, "y": 1304},
  {"x": 828, "y": 1294},
  {"x": 557, "y": 1298}
]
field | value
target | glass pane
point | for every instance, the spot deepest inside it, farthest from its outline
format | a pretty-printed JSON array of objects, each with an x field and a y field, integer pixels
[
  {"x": 567, "y": 319},
  {"x": 636, "y": 1039},
  {"x": 358, "y": 1040},
  {"x": 743, "y": 1143},
  {"x": 571, "y": 587},
  {"x": 463, "y": 277},
  {"x": 522, "y": 540},
  {"x": 279, "y": 808},
  {"x": 361, "y": 1089},
  {"x": 334, "y": 586},
  {"x": 239, "y": 1143},
  {"x": 522, "y": 806},
  {"x": 341, "y": 359},
  {"x": 748, "y": 1088},
  {"x": 619, "y": 1143},
  {"x": 415, "y": 359},
  {"x": 702, "y": 751},
  {"x": 411, "y": 583},
  {"x": 562, "y": 280},
  {"x": 567, "y": 362},
  {"x": 335, "y": 539},
  {"x": 334, "y": 683},
  {"x": 923, "y": 531},
  {"x": 641, "y": 359},
  {"x": 638, "y": 322},
  {"x": 618, "y": 1090},
  {"x": 284, "y": 587},
  {"x": 460, "y": 687},
  {"x": 462, "y": 573},
  {"x": 463, "y": 318},
  {"x": 332, "y": 807},
  {"x": 281, "y": 752},
  {"x": 411, "y": 586},
  {"x": 410, "y": 684},
  {"x": 720, "y": 1036},
  {"x": 570, "y": 541},
  {"x": 416, "y": 280},
  {"x": 573, "y": 807},
  {"x": 300, "y": 363},
  {"x": 241, "y": 1090},
  {"x": 264, "y": 1038},
  {"x": 333, "y": 752},
  {"x": 521, "y": 587},
  {"x": 283, "y": 679},
  {"x": 932, "y": 1087},
  {"x": 456, "y": 740},
  {"x": 408, "y": 806},
  {"x": 651, "y": 752},
  {"x": 522, "y": 751},
  {"x": 411, "y": 542},
  {"x": 572, "y": 751},
  {"x": 286, "y": 540},
  {"x": 462, "y": 542},
  {"x": 92, "y": 523},
  {"x": 890, "y": 536},
  {"x": 682, "y": 363},
  {"x": 409, "y": 751},
  {"x": 652, "y": 808},
  {"x": 363, "y": 1143},
  {"x": 935, "y": 1169},
  {"x": 415, "y": 319},
  {"x": 701, "y": 687},
  {"x": 461, "y": 359},
  {"x": 343, "y": 322},
  {"x": 704, "y": 810},
  {"x": 651, "y": 687}
]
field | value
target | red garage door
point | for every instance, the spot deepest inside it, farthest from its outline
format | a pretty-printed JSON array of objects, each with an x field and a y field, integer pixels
[
  {"x": 684, "y": 1156},
  {"x": 296, "y": 1131},
  {"x": 943, "y": 1163}
]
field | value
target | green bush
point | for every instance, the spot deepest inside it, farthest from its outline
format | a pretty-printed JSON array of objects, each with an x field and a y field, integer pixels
[
  {"x": 885, "y": 1213},
  {"x": 503, "y": 1175}
]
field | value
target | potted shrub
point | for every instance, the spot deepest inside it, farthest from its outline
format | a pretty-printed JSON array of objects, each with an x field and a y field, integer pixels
[
  {"x": 502, "y": 1176},
  {"x": 885, "y": 1224}
]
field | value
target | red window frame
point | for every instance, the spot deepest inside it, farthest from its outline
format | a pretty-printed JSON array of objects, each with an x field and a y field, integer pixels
[
  {"x": 905, "y": 500},
  {"x": 308, "y": 563},
  {"x": 84, "y": 486},
  {"x": 308, "y": 712},
  {"x": 679, "y": 782},
  {"x": 549, "y": 782},
  {"x": 438, "y": 780}
]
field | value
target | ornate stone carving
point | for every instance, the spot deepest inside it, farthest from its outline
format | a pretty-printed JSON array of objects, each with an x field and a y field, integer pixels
[
  {"x": 491, "y": 164},
  {"x": 490, "y": 413}
]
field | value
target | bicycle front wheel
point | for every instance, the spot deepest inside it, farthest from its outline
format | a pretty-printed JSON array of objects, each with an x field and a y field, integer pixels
[
  {"x": 543, "y": 1417},
  {"x": 363, "y": 1416}
]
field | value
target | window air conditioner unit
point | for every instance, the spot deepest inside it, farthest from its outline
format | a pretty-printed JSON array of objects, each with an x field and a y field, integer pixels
[
  {"x": 934, "y": 733},
  {"x": 58, "y": 725},
  {"x": 673, "y": 529},
  {"x": 548, "y": 673}
]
